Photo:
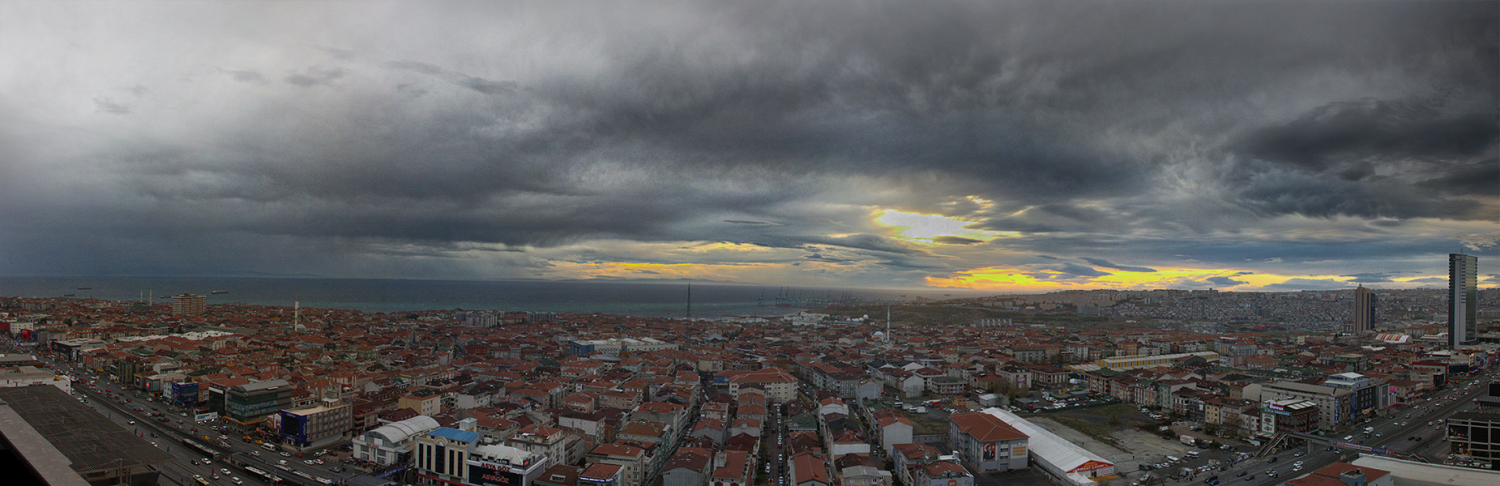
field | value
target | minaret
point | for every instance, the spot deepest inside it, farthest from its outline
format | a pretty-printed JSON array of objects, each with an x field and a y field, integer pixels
[
  {"x": 887, "y": 323},
  {"x": 690, "y": 302},
  {"x": 296, "y": 315}
]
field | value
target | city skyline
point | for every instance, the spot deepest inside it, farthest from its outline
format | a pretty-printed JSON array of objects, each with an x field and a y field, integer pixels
[{"x": 1013, "y": 148}]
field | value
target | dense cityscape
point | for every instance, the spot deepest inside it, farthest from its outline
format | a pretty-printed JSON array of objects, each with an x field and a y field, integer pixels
[
  {"x": 729, "y": 243},
  {"x": 1074, "y": 387}
]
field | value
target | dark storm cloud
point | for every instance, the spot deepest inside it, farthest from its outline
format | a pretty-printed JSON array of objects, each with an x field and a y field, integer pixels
[
  {"x": 1082, "y": 126},
  {"x": 1383, "y": 277},
  {"x": 915, "y": 264},
  {"x": 1108, "y": 264},
  {"x": 819, "y": 257},
  {"x": 106, "y": 105},
  {"x": 486, "y": 86},
  {"x": 867, "y": 242},
  {"x": 1374, "y": 128},
  {"x": 315, "y": 76},
  {"x": 245, "y": 75},
  {"x": 341, "y": 54},
  {"x": 1480, "y": 178},
  {"x": 1079, "y": 270},
  {"x": 1363, "y": 158},
  {"x": 1224, "y": 281},
  {"x": 420, "y": 67},
  {"x": 1309, "y": 284}
]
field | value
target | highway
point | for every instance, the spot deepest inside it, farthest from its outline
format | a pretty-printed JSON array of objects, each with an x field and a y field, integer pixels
[
  {"x": 1425, "y": 420},
  {"x": 105, "y": 397}
]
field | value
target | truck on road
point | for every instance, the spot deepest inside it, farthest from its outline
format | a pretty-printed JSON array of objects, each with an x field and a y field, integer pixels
[{"x": 1188, "y": 439}]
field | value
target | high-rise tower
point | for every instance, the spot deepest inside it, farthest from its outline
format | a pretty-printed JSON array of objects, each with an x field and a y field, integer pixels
[
  {"x": 188, "y": 304},
  {"x": 1463, "y": 298},
  {"x": 1364, "y": 309}
]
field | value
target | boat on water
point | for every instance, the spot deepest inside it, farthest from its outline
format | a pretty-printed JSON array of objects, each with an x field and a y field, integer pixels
[
  {"x": 85, "y": 288},
  {"x": 68, "y": 295},
  {"x": 219, "y": 292}
]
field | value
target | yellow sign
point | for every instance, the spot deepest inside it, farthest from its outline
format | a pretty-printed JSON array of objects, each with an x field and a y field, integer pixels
[{"x": 1019, "y": 450}]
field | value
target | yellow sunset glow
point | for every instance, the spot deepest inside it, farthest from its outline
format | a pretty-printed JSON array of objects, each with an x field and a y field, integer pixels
[
  {"x": 1012, "y": 279},
  {"x": 924, "y": 228},
  {"x": 656, "y": 270}
]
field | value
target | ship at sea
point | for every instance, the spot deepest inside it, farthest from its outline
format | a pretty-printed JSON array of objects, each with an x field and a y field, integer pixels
[
  {"x": 219, "y": 292},
  {"x": 85, "y": 288}
]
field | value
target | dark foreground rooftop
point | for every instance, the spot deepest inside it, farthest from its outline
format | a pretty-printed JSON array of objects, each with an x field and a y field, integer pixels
[{"x": 89, "y": 440}]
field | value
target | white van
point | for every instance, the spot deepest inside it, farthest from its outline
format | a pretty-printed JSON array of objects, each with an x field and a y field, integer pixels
[
  {"x": 1192, "y": 454},
  {"x": 1173, "y": 459}
]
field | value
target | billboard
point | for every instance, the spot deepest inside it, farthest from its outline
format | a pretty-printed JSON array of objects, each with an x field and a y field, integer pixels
[
  {"x": 206, "y": 417},
  {"x": 989, "y": 451},
  {"x": 493, "y": 475}
]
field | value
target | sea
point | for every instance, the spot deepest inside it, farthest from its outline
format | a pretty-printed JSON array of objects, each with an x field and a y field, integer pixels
[{"x": 643, "y": 299}]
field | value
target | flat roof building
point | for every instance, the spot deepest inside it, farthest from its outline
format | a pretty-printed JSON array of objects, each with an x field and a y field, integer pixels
[
  {"x": 614, "y": 346},
  {"x": 188, "y": 304},
  {"x": 59, "y": 441},
  {"x": 248, "y": 405},
  {"x": 310, "y": 428}
]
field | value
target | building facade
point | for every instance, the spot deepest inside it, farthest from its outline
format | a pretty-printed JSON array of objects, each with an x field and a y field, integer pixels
[
  {"x": 1463, "y": 298},
  {"x": 1477, "y": 435},
  {"x": 1333, "y": 403},
  {"x": 500, "y": 465},
  {"x": 1288, "y": 415},
  {"x": 317, "y": 426},
  {"x": 986, "y": 442},
  {"x": 392, "y": 443},
  {"x": 188, "y": 304},
  {"x": 1365, "y": 304},
  {"x": 441, "y": 455},
  {"x": 247, "y": 406}
]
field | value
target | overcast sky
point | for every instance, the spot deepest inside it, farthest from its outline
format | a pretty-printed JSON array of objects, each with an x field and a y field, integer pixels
[{"x": 995, "y": 145}]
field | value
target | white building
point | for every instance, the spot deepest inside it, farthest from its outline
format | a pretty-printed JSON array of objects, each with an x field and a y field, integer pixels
[
  {"x": 501, "y": 465},
  {"x": 31, "y": 375},
  {"x": 1060, "y": 458},
  {"x": 386, "y": 444}
]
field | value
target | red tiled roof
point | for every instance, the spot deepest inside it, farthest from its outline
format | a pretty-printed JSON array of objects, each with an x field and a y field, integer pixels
[{"x": 984, "y": 427}]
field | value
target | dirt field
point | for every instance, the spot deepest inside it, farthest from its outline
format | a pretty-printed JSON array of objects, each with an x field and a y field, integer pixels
[{"x": 1127, "y": 447}]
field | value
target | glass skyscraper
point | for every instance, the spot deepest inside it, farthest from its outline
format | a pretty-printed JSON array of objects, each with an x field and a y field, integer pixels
[{"x": 1463, "y": 298}]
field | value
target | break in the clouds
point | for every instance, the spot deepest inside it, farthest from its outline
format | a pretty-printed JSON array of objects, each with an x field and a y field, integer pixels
[{"x": 1236, "y": 144}]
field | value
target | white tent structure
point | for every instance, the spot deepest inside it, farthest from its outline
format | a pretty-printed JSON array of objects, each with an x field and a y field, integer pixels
[{"x": 1056, "y": 455}]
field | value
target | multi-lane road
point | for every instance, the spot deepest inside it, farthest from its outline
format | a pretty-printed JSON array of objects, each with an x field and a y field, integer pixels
[
  {"x": 1425, "y": 420},
  {"x": 106, "y": 397}
]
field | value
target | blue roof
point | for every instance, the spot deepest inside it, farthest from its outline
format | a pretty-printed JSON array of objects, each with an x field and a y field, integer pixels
[{"x": 455, "y": 434}]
